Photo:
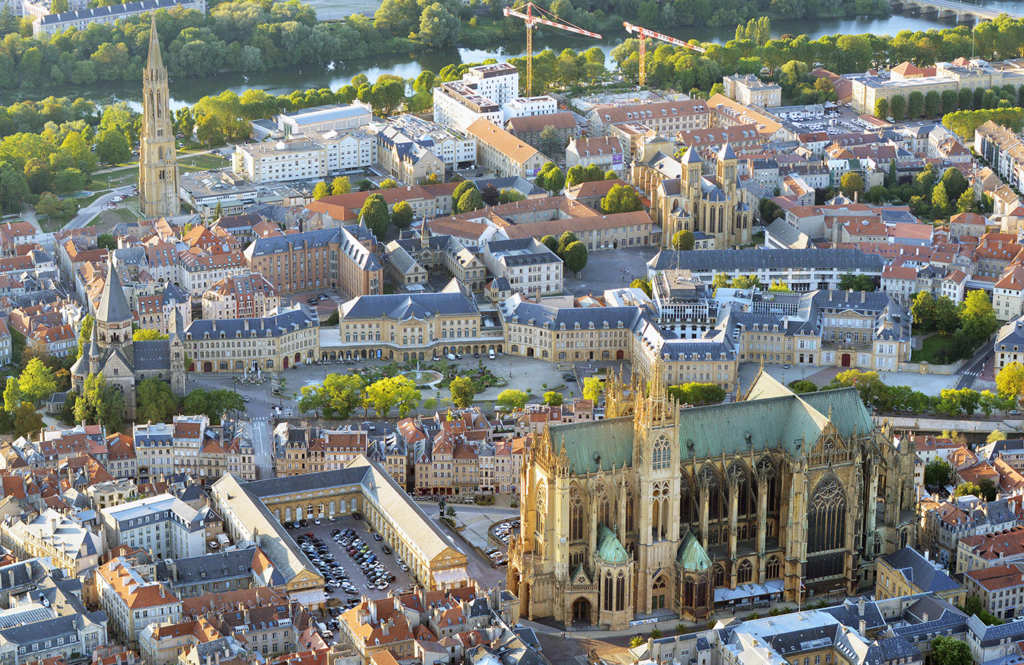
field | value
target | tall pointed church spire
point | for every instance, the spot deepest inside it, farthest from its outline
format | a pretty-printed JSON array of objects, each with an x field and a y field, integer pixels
[
  {"x": 156, "y": 60},
  {"x": 113, "y": 303},
  {"x": 158, "y": 164}
]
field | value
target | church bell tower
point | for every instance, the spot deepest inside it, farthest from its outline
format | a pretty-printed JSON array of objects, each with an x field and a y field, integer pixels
[{"x": 158, "y": 164}]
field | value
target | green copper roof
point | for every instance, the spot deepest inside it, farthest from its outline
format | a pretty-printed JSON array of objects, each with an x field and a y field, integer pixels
[
  {"x": 691, "y": 555},
  {"x": 772, "y": 415},
  {"x": 609, "y": 548},
  {"x": 597, "y": 445}
]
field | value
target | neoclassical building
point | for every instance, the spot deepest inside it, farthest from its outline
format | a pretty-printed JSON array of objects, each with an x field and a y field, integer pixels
[{"x": 662, "y": 510}]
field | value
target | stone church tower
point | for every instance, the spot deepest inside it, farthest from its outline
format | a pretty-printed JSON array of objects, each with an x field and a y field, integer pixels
[{"x": 158, "y": 166}]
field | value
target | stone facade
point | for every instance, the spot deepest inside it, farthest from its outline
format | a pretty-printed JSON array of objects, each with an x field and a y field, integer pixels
[{"x": 658, "y": 510}]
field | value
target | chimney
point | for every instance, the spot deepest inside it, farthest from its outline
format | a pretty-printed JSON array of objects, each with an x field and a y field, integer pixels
[
  {"x": 924, "y": 617},
  {"x": 862, "y": 626},
  {"x": 860, "y": 606},
  {"x": 385, "y": 627}
]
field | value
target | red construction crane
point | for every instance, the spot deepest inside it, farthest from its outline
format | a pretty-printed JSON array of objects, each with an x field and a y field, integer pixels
[
  {"x": 531, "y": 20},
  {"x": 642, "y": 34}
]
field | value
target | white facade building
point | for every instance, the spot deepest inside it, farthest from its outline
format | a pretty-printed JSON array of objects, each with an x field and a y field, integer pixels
[
  {"x": 162, "y": 524},
  {"x": 279, "y": 161}
]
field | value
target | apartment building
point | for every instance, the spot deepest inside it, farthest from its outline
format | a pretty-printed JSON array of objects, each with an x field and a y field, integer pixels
[
  {"x": 341, "y": 259},
  {"x": 999, "y": 588},
  {"x": 245, "y": 296},
  {"x": 163, "y": 524},
  {"x": 81, "y": 19},
  {"x": 71, "y": 546},
  {"x": 568, "y": 334},
  {"x": 280, "y": 161},
  {"x": 404, "y": 141},
  {"x": 284, "y": 339},
  {"x": 1008, "y": 293},
  {"x": 907, "y": 572},
  {"x": 303, "y": 449},
  {"x": 665, "y": 118},
  {"x": 490, "y": 92},
  {"x": 1009, "y": 344},
  {"x": 990, "y": 549},
  {"x": 156, "y": 311},
  {"x": 750, "y": 90},
  {"x": 198, "y": 269},
  {"x": 528, "y": 265},
  {"x": 131, "y": 601},
  {"x": 604, "y": 152},
  {"x": 429, "y": 200},
  {"x": 503, "y": 153}
]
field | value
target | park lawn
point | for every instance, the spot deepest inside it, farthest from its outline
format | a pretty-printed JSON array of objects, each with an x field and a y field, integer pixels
[
  {"x": 51, "y": 224},
  {"x": 934, "y": 349},
  {"x": 203, "y": 162}
]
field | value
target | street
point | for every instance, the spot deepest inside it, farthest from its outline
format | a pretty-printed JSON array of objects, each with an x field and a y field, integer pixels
[
  {"x": 974, "y": 367},
  {"x": 262, "y": 445},
  {"x": 89, "y": 212}
]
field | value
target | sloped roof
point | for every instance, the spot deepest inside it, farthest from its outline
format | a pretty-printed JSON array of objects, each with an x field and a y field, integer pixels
[
  {"x": 113, "y": 303},
  {"x": 608, "y": 546}
]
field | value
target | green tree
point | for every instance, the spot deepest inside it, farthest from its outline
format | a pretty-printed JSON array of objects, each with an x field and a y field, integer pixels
[
  {"x": 439, "y": 26},
  {"x": 511, "y": 399},
  {"x": 642, "y": 284},
  {"x": 593, "y": 387},
  {"x": 550, "y": 178},
  {"x": 155, "y": 403},
  {"x": 84, "y": 332},
  {"x": 26, "y": 420},
  {"x": 923, "y": 310},
  {"x": 950, "y": 651},
  {"x": 977, "y": 317},
  {"x": 320, "y": 191},
  {"x": 36, "y": 381},
  {"x": 803, "y": 386},
  {"x": 932, "y": 104},
  {"x": 621, "y": 198},
  {"x": 851, "y": 282},
  {"x": 146, "y": 335},
  {"x": 564, "y": 240},
  {"x": 106, "y": 241},
  {"x": 995, "y": 435},
  {"x": 940, "y": 201},
  {"x": 100, "y": 403},
  {"x": 510, "y": 196},
  {"x": 851, "y": 183},
  {"x": 966, "y": 201},
  {"x": 401, "y": 215},
  {"x": 937, "y": 473},
  {"x": 341, "y": 185},
  {"x": 12, "y": 395},
  {"x": 955, "y": 183},
  {"x": 575, "y": 256},
  {"x": 462, "y": 391},
  {"x": 915, "y": 104},
  {"x": 337, "y": 397},
  {"x": 374, "y": 214},
  {"x": 683, "y": 240},
  {"x": 1010, "y": 381},
  {"x": 470, "y": 200},
  {"x": 393, "y": 391},
  {"x": 882, "y": 108},
  {"x": 212, "y": 403},
  {"x": 461, "y": 189},
  {"x": 897, "y": 107},
  {"x": 388, "y": 183},
  {"x": 553, "y": 398},
  {"x": 550, "y": 242},
  {"x": 779, "y": 286},
  {"x": 697, "y": 394}
]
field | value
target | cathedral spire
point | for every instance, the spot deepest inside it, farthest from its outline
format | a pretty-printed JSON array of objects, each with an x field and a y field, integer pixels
[
  {"x": 155, "y": 60},
  {"x": 158, "y": 165}
]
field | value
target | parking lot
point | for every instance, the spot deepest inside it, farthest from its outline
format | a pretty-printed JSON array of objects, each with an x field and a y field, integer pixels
[{"x": 337, "y": 555}]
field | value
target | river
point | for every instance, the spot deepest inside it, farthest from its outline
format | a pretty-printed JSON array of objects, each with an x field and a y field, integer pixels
[{"x": 188, "y": 91}]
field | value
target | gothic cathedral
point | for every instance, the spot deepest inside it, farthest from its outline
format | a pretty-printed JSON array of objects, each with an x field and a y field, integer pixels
[
  {"x": 158, "y": 164},
  {"x": 661, "y": 510}
]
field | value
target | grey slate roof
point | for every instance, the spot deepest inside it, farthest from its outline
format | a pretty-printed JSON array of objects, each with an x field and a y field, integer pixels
[
  {"x": 290, "y": 484},
  {"x": 401, "y": 306},
  {"x": 554, "y": 318},
  {"x": 113, "y": 303},
  {"x": 283, "y": 322},
  {"x": 152, "y": 354},
  {"x": 747, "y": 260},
  {"x": 919, "y": 571},
  {"x": 1010, "y": 334}
]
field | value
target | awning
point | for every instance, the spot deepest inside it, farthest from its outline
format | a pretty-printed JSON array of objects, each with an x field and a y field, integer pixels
[
  {"x": 450, "y": 577},
  {"x": 309, "y": 598},
  {"x": 743, "y": 591}
]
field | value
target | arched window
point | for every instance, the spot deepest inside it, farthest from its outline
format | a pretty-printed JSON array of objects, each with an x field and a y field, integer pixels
[
  {"x": 620, "y": 593},
  {"x": 662, "y": 456},
  {"x": 608, "y": 585},
  {"x": 542, "y": 501},
  {"x": 575, "y": 515},
  {"x": 826, "y": 529},
  {"x": 659, "y": 594},
  {"x": 719, "y": 576},
  {"x": 745, "y": 573},
  {"x": 771, "y": 569}
]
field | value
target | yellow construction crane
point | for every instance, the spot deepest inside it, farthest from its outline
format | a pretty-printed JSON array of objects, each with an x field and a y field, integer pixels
[
  {"x": 642, "y": 34},
  {"x": 543, "y": 17}
]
